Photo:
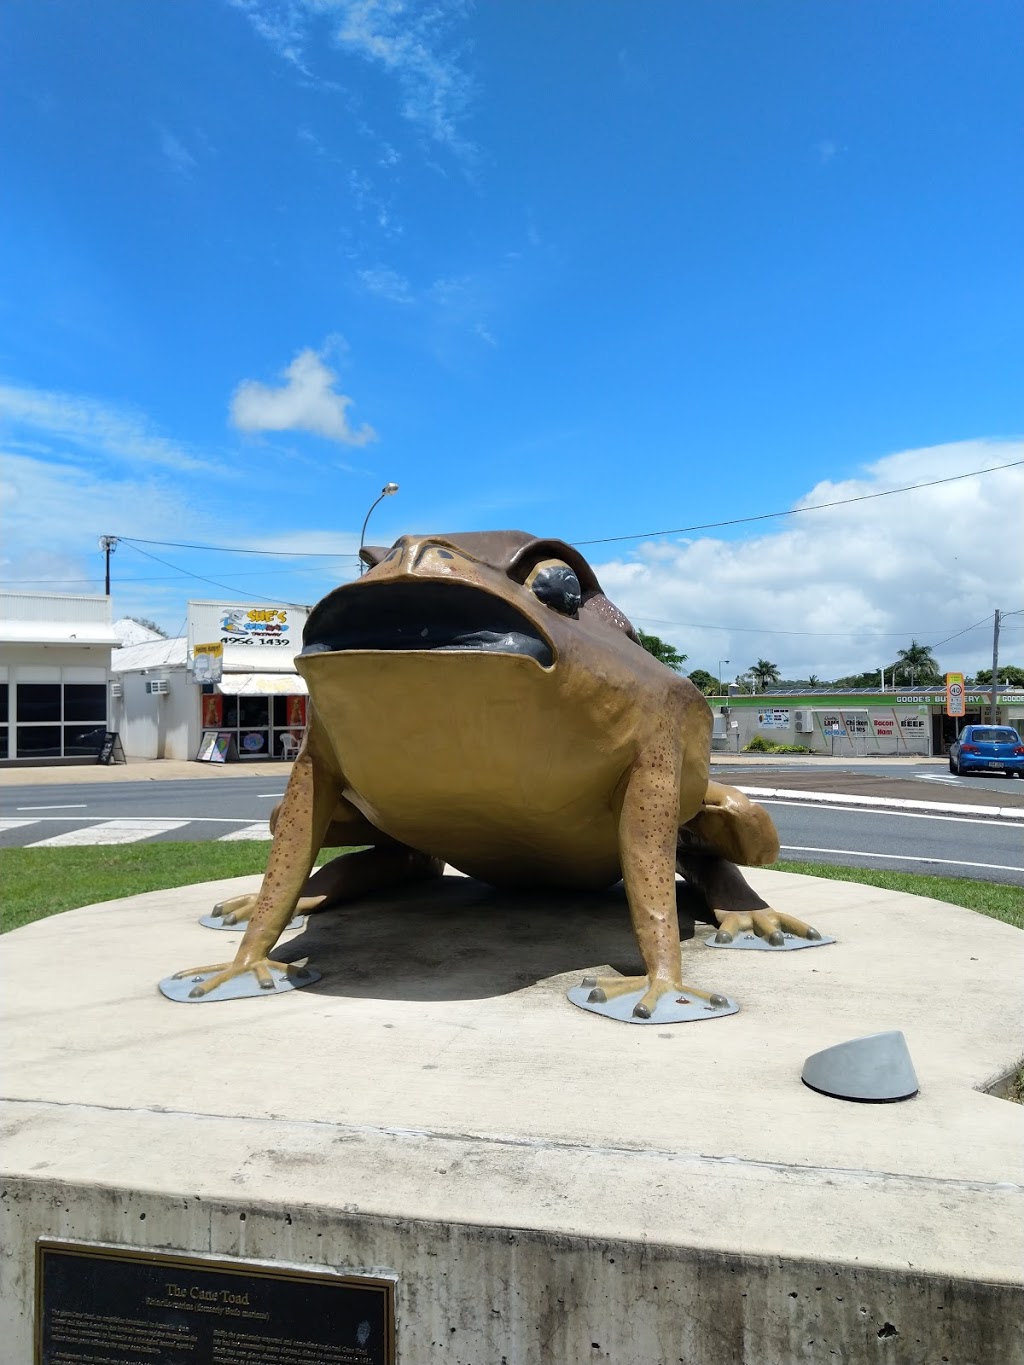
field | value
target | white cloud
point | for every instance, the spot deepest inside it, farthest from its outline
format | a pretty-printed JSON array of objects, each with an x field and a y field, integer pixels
[
  {"x": 307, "y": 402},
  {"x": 839, "y": 591},
  {"x": 54, "y": 513},
  {"x": 408, "y": 39},
  {"x": 177, "y": 154},
  {"x": 386, "y": 284},
  {"x": 98, "y": 428}
]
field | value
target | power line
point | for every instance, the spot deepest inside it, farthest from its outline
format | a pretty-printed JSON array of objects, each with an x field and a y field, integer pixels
[
  {"x": 239, "y": 550},
  {"x": 601, "y": 540},
  {"x": 255, "y": 597},
  {"x": 814, "y": 634},
  {"x": 795, "y": 511}
]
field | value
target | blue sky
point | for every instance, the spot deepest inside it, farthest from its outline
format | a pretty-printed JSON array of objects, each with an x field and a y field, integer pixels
[{"x": 588, "y": 269}]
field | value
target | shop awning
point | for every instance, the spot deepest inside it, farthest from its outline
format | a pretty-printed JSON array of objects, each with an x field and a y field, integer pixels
[{"x": 262, "y": 685}]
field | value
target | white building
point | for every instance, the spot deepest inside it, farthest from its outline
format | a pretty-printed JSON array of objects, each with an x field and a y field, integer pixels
[
  {"x": 55, "y": 651},
  {"x": 160, "y": 710}
]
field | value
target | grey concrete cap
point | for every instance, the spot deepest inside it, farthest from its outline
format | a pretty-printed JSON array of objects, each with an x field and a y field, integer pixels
[{"x": 876, "y": 1067}]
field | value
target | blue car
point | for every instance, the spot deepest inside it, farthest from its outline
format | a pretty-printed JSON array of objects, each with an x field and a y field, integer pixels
[{"x": 987, "y": 748}]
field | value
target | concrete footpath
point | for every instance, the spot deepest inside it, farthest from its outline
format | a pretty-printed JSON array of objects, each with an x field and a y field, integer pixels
[{"x": 543, "y": 1184}]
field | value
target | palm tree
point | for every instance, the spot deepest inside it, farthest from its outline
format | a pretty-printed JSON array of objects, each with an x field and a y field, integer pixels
[
  {"x": 917, "y": 663},
  {"x": 764, "y": 672},
  {"x": 814, "y": 681}
]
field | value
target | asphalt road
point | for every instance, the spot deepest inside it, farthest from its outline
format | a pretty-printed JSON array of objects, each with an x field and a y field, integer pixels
[
  {"x": 982, "y": 848},
  {"x": 930, "y": 775}
]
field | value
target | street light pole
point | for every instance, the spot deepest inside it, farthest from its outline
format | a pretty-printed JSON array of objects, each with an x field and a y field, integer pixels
[
  {"x": 721, "y": 680},
  {"x": 385, "y": 492}
]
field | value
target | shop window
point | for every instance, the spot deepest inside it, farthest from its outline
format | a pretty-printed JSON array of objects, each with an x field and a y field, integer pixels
[
  {"x": 252, "y": 743},
  {"x": 38, "y": 702},
  {"x": 82, "y": 740},
  {"x": 280, "y": 705},
  {"x": 4, "y": 694},
  {"x": 231, "y": 713},
  {"x": 38, "y": 741},
  {"x": 253, "y": 713},
  {"x": 85, "y": 701},
  {"x": 3, "y": 741}
]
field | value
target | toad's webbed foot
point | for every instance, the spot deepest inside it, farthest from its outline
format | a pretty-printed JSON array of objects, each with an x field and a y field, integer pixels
[
  {"x": 236, "y": 912},
  {"x": 264, "y": 974},
  {"x": 658, "y": 1001},
  {"x": 771, "y": 925}
]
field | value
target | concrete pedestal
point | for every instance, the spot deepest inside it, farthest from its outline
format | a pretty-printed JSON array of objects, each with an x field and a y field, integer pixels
[{"x": 545, "y": 1184}]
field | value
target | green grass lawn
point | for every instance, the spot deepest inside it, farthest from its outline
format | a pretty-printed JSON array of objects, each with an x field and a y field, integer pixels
[
  {"x": 38, "y": 882},
  {"x": 43, "y": 881},
  {"x": 988, "y": 898}
]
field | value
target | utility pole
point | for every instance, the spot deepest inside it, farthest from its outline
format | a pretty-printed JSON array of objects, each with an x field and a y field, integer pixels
[
  {"x": 995, "y": 665},
  {"x": 107, "y": 544}
]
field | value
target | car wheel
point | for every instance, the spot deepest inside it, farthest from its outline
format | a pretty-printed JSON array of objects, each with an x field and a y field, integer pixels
[{"x": 954, "y": 766}]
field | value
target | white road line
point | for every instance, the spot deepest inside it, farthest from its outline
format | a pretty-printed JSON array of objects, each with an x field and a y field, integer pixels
[
  {"x": 269, "y": 796},
  {"x": 901, "y": 858},
  {"x": 903, "y": 814},
  {"x": 82, "y": 806},
  {"x": 260, "y": 830},
  {"x": 111, "y": 832},
  {"x": 15, "y": 824}
]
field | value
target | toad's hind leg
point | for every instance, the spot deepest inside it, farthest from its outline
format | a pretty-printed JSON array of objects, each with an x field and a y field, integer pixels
[
  {"x": 730, "y": 829},
  {"x": 648, "y": 829}
]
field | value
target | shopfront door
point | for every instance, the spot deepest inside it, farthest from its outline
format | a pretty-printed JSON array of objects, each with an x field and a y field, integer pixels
[{"x": 946, "y": 728}]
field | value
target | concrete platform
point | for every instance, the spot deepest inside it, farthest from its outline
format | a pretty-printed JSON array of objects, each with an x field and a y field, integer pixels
[{"x": 546, "y": 1185}]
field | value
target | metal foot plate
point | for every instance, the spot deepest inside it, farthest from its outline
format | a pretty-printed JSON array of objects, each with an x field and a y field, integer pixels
[
  {"x": 670, "y": 1009},
  {"x": 239, "y": 987},
  {"x": 217, "y": 922},
  {"x": 790, "y": 943}
]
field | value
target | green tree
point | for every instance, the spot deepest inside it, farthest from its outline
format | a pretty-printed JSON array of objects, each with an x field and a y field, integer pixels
[
  {"x": 150, "y": 625},
  {"x": 916, "y": 664},
  {"x": 706, "y": 682},
  {"x": 872, "y": 678},
  {"x": 764, "y": 672},
  {"x": 662, "y": 650},
  {"x": 1008, "y": 673}
]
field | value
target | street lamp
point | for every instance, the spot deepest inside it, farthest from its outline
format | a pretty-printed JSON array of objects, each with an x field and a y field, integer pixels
[
  {"x": 721, "y": 680},
  {"x": 385, "y": 492}
]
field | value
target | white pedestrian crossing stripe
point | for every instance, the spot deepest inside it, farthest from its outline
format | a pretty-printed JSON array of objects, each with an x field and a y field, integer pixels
[
  {"x": 124, "y": 831},
  {"x": 260, "y": 830},
  {"x": 111, "y": 832}
]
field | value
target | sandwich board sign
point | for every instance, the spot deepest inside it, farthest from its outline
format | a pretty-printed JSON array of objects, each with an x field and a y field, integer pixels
[{"x": 956, "y": 701}]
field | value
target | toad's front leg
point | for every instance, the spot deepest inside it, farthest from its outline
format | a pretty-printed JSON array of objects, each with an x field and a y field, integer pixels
[
  {"x": 309, "y": 802},
  {"x": 648, "y": 829}
]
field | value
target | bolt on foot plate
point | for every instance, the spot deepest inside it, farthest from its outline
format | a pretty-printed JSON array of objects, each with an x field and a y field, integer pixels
[
  {"x": 789, "y": 944},
  {"x": 670, "y": 1009},
  {"x": 240, "y": 987},
  {"x": 217, "y": 922}
]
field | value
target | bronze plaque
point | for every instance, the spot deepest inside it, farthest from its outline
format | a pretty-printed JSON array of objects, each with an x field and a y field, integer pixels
[{"x": 119, "y": 1306}]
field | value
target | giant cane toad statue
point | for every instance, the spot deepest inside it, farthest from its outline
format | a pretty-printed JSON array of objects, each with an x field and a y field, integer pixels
[{"x": 477, "y": 700}]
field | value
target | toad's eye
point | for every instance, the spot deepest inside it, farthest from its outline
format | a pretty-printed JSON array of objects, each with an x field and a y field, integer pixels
[{"x": 555, "y": 584}]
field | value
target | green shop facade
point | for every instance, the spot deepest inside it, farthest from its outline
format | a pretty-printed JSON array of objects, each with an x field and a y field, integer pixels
[{"x": 858, "y": 723}]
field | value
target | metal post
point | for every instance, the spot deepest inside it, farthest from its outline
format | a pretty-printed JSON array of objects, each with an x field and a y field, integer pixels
[
  {"x": 107, "y": 545},
  {"x": 995, "y": 665}
]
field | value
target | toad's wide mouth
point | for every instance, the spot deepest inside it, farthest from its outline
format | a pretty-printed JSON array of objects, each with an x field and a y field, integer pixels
[{"x": 422, "y": 616}]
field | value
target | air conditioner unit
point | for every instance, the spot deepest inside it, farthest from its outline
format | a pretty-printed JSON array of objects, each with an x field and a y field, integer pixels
[
  {"x": 157, "y": 687},
  {"x": 804, "y": 722},
  {"x": 116, "y": 690}
]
